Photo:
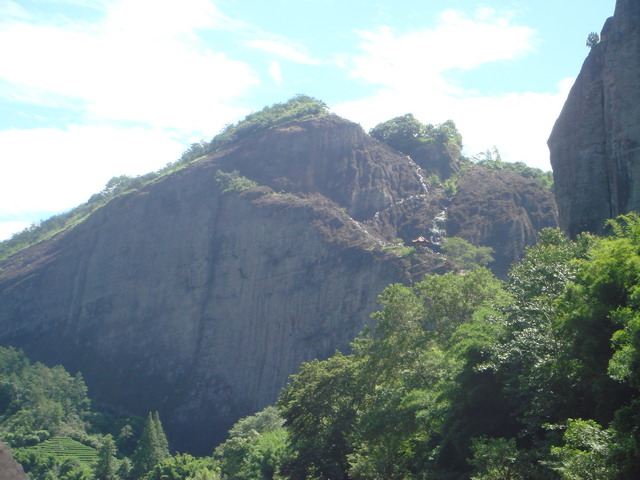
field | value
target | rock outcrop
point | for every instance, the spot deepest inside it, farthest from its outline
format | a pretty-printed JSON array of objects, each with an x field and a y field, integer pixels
[
  {"x": 501, "y": 210},
  {"x": 595, "y": 143},
  {"x": 181, "y": 298},
  {"x": 9, "y": 468}
]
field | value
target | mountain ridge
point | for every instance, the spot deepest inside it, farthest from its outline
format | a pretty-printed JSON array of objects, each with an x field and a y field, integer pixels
[{"x": 199, "y": 302}]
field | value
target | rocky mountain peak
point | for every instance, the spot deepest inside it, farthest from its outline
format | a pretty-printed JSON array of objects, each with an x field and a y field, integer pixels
[
  {"x": 329, "y": 156},
  {"x": 198, "y": 298}
]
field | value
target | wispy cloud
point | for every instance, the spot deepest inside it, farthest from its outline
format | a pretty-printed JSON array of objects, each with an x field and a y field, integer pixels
[
  {"x": 275, "y": 71},
  {"x": 284, "y": 49},
  {"x": 135, "y": 67},
  {"x": 459, "y": 42},
  {"x": 411, "y": 70},
  {"x": 60, "y": 168}
]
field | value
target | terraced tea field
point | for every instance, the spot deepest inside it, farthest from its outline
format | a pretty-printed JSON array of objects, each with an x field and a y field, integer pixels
[{"x": 64, "y": 447}]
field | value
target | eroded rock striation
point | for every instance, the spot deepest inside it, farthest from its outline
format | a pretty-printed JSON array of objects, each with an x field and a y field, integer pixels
[
  {"x": 595, "y": 143},
  {"x": 199, "y": 303}
]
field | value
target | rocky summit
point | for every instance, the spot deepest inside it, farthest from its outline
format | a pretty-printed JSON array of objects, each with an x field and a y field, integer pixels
[
  {"x": 197, "y": 298},
  {"x": 595, "y": 143}
]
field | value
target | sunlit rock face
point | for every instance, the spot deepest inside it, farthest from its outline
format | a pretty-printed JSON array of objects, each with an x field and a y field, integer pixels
[
  {"x": 595, "y": 143},
  {"x": 199, "y": 303}
]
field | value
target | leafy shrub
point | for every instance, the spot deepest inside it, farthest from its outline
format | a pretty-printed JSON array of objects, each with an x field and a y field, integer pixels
[
  {"x": 492, "y": 159},
  {"x": 277, "y": 115},
  {"x": 406, "y": 134},
  {"x": 233, "y": 182},
  {"x": 466, "y": 254}
]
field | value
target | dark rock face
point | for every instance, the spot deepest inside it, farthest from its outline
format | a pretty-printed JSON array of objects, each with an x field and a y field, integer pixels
[
  {"x": 438, "y": 159},
  {"x": 199, "y": 304},
  {"x": 330, "y": 156},
  {"x": 501, "y": 210},
  {"x": 595, "y": 143},
  {"x": 9, "y": 468}
]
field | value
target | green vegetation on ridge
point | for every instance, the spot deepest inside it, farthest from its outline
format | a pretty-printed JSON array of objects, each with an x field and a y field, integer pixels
[{"x": 277, "y": 115}]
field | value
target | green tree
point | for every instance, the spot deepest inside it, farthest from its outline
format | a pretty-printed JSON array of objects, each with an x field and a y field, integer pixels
[
  {"x": 465, "y": 254},
  {"x": 125, "y": 468},
  {"x": 492, "y": 159},
  {"x": 406, "y": 134},
  {"x": 163, "y": 444},
  {"x": 593, "y": 39},
  {"x": 182, "y": 467},
  {"x": 233, "y": 181},
  {"x": 255, "y": 448},
  {"x": 587, "y": 453},
  {"x": 496, "y": 459},
  {"x": 72, "y": 469},
  {"x": 107, "y": 465},
  {"x": 151, "y": 448},
  {"x": 319, "y": 409}
]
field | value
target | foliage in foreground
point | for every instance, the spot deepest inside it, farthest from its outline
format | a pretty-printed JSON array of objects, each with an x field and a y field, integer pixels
[
  {"x": 464, "y": 376},
  {"x": 467, "y": 377}
]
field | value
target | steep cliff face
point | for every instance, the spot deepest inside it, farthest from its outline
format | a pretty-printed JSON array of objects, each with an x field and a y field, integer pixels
[
  {"x": 330, "y": 156},
  {"x": 180, "y": 298},
  {"x": 200, "y": 304},
  {"x": 501, "y": 210},
  {"x": 595, "y": 143}
]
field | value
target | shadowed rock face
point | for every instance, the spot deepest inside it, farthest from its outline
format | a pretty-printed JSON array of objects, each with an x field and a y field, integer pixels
[
  {"x": 501, "y": 210},
  {"x": 595, "y": 143},
  {"x": 9, "y": 468},
  {"x": 199, "y": 304}
]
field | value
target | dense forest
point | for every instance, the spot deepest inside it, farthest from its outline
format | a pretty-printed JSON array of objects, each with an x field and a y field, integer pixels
[{"x": 463, "y": 376}]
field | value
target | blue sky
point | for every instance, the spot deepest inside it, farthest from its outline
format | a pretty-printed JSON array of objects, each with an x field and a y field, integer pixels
[{"x": 91, "y": 89}]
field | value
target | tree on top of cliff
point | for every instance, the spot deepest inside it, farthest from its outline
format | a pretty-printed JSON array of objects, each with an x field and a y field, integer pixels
[
  {"x": 492, "y": 159},
  {"x": 593, "y": 39},
  {"x": 406, "y": 133},
  {"x": 277, "y": 115}
]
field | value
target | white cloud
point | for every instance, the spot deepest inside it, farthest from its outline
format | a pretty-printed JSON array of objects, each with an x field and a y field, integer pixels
[
  {"x": 54, "y": 170},
  {"x": 422, "y": 56},
  {"x": 517, "y": 123},
  {"x": 135, "y": 66},
  {"x": 157, "y": 20},
  {"x": 410, "y": 70},
  {"x": 275, "y": 71},
  {"x": 284, "y": 49},
  {"x": 10, "y": 9},
  {"x": 9, "y": 228}
]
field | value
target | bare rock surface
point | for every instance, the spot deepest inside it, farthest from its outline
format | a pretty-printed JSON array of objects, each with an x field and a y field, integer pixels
[
  {"x": 501, "y": 210},
  {"x": 595, "y": 143}
]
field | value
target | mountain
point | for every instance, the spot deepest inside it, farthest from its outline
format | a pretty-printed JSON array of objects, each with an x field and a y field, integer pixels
[
  {"x": 595, "y": 143},
  {"x": 199, "y": 293}
]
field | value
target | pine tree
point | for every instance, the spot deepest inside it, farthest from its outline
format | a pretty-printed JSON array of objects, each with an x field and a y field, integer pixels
[
  {"x": 163, "y": 443},
  {"x": 152, "y": 447}
]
